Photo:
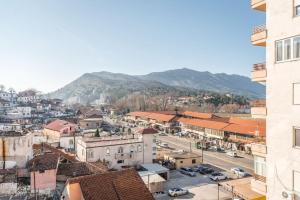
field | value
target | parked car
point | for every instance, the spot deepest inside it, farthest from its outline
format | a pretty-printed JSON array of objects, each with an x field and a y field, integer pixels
[
  {"x": 174, "y": 192},
  {"x": 231, "y": 154},
  {"x": 165, "y": 145},
  {"x": 187, "y": 171},
  {"x": 203, "y": 170},
  {"x": 217, "y": 176},
  {"x": 218, "y": 149},
  {"x": 239, "y": 172},
  {"x": 162, "y": 134}
]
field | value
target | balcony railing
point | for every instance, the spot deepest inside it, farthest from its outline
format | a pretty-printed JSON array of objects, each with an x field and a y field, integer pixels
[
  {"x": 259, "y": 178},
  {"x": 259, "y": 35},
  {"x": 123, "y": 156},
  {"x": 259, "y": 72},
  {"x": 258, "y": 103},
  {"x": 259, "y": 5}
]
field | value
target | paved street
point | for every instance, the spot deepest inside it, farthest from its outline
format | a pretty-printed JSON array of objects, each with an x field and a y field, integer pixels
[
  {"x": 220, "y": 160},
  {"x": 200, "y": 188}
]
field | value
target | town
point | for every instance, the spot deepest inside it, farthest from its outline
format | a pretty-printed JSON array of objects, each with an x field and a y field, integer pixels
[
  {"x": 174, "y": 134},
  {"x": 50, "y": 150}
]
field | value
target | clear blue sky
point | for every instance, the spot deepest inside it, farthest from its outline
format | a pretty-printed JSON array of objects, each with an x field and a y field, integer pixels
[{"x": 47, "y": 44}]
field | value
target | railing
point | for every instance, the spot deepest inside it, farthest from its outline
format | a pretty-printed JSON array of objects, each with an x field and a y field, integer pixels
[
  {"x": 259, "y": 66},
  {"x": 259, "y": 29},
  {"x": 253, "y": 2},
  {"x": 259, "y": 178},
  {"x": 258, "y": 103}
]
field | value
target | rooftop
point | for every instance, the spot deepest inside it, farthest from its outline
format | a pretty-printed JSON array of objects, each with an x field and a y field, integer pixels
[
  {"x": 58, "y": 125},
  {"x": 182, "y": 155},
  {"x": 43, "y": 162},
  {"x": 125, "y": 185}
]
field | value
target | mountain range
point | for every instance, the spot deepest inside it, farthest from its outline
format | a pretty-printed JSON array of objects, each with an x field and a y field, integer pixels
[{"x": 100, "y": 85}]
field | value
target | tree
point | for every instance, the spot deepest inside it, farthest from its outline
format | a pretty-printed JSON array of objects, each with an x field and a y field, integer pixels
[
  {"x": 2, "y": 88},
  {"x": 97, "y": 134}
]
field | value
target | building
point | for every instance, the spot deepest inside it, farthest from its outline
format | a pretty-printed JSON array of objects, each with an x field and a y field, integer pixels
[
  {"x": 124, "y": 184},
  {"x": 90, "y": 123},
  {"x": 280, "y": 36},
  {"x": 19, "y": 112},
  {"x": 58, "y": 129},
  {"x": 43, "y": 169},
  {"x": 15, "y": 148},
  {"x": 183, "y": 159},
  {"x": 118, "y": 151},
  {"x": 281, "y": 74}
]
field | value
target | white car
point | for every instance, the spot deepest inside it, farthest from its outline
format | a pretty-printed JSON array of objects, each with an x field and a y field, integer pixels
[
  {"x": 174, "y": 192},
  {"x": 239, "y": 172},
  {"x": 217, "y": 176},
  {"x": 231, "y": 154}
]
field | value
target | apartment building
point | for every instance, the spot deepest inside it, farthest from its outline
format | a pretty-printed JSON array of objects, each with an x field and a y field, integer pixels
[
  {"x": 281, "y": 72},
  {"x": 119, "y": 151}
]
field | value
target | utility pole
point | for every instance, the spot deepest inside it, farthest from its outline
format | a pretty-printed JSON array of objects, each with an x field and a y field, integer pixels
[{"x": 218, "y": 191}]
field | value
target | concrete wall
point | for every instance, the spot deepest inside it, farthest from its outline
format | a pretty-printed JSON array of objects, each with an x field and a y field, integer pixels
[
  {"x": 18, "y": 149},
  {"x": 45, "y": 182},
  {"x": 282, "y": 158}
]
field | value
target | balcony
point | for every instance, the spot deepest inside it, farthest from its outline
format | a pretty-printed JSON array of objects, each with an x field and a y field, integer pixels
[
  {"x": 259, "y": 149},
  {"x": 259, "y": 72},
  {"x": 260, "y": 5},
  {"x": 259, "y": 36},
  {"x": 258, "y": 109},
  {"x": 258, "y": 184}
]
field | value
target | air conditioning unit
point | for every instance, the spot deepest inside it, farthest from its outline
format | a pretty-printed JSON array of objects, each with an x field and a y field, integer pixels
[{"x": 288, "y": 195}]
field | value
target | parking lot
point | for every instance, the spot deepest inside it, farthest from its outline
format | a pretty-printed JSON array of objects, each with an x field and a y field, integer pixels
[{"x": 200, "y": 187}]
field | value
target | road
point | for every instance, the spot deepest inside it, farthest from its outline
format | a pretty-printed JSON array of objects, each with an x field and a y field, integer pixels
[{"x": 220, "y": 160}]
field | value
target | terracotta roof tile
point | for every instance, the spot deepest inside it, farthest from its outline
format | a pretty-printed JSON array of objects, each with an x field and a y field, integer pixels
[
  {"x": 58, "y": 125},
  {"x": 203, "y": 123},
  {"x": 198, "y": 115},
  {"x": 120, "y": 185},
  {"x": 147, "y": 131},
  {"x": 43, "y": 162}
]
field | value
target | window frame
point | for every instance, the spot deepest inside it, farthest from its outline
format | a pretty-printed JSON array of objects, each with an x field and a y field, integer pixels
[
  {"x": 296, "y": 7},
  {"x": 293, "y": 100},
  {"x": 294, "y": 137},
  {"x": 283, "y": 49}
]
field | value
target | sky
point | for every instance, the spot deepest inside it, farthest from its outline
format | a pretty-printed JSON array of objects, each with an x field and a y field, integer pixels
[{"x": 47, "y": 44}]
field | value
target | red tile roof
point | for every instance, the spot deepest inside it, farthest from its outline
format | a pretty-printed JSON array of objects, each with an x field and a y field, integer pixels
[
  {"x": 120, "y": 185},
  {"x": 161, "y": 117},
  {"x": 147, "y": 131},
  {"x": 198, "y": 115},
  {"x": 58, "y": 125},
  {"x": 43, "y": 162},
  {"x": 259, "y": 131},
  {"x": 203, "y": 123}
]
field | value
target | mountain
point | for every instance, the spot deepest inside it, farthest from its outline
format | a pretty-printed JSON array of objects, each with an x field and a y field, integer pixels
[
  {"x": 99, "y": 86},
  {"x": 219, "y": 82}
]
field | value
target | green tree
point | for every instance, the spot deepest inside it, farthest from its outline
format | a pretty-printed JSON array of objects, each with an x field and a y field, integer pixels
[{"x": 97, "y": 134}]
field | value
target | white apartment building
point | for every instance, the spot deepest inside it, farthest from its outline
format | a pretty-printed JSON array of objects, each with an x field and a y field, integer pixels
[
  {"x": 118, "y": 151},
  {"x": 281, "y": 37},
  {"x": 19, "y": 113}
]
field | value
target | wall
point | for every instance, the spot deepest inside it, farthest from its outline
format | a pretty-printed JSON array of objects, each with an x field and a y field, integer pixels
[
  {"x": 72, "y": 192},
  {"x": 282, "y": 158},
  {"x": 18, "y": 149},
  {"x": 44, "y": 182}
]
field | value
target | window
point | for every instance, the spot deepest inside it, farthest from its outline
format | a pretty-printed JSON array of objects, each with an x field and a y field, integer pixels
[
  {"x": 287, "y": 49},
  {"x": 297, "y": 47},
  {"x": 181, "y": 161},
  {"x": 297, "y": 10},
  {"x": 120, "y": 150},
  {"x": 193, "y": 161},
  {"x": 296, "y": 93},
  {"x": 120, "y": 161},
  {"x": 279, "y": 51},
  {"x": 90, "y": 154},
  {"x": 296, "y": 137},
  {"x": 107, "y": 151},
  {"x": 296, "y": 181},
  {"x": 260, "y": 166},
  {"x": 71, "y": 142},
  {"x": 139, "y": 148}
]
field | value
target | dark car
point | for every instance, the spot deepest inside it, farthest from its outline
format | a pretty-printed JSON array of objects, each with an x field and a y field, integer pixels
[
  {"x": 187, "y": 171},
  {"x": 204, "y": 170}
]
